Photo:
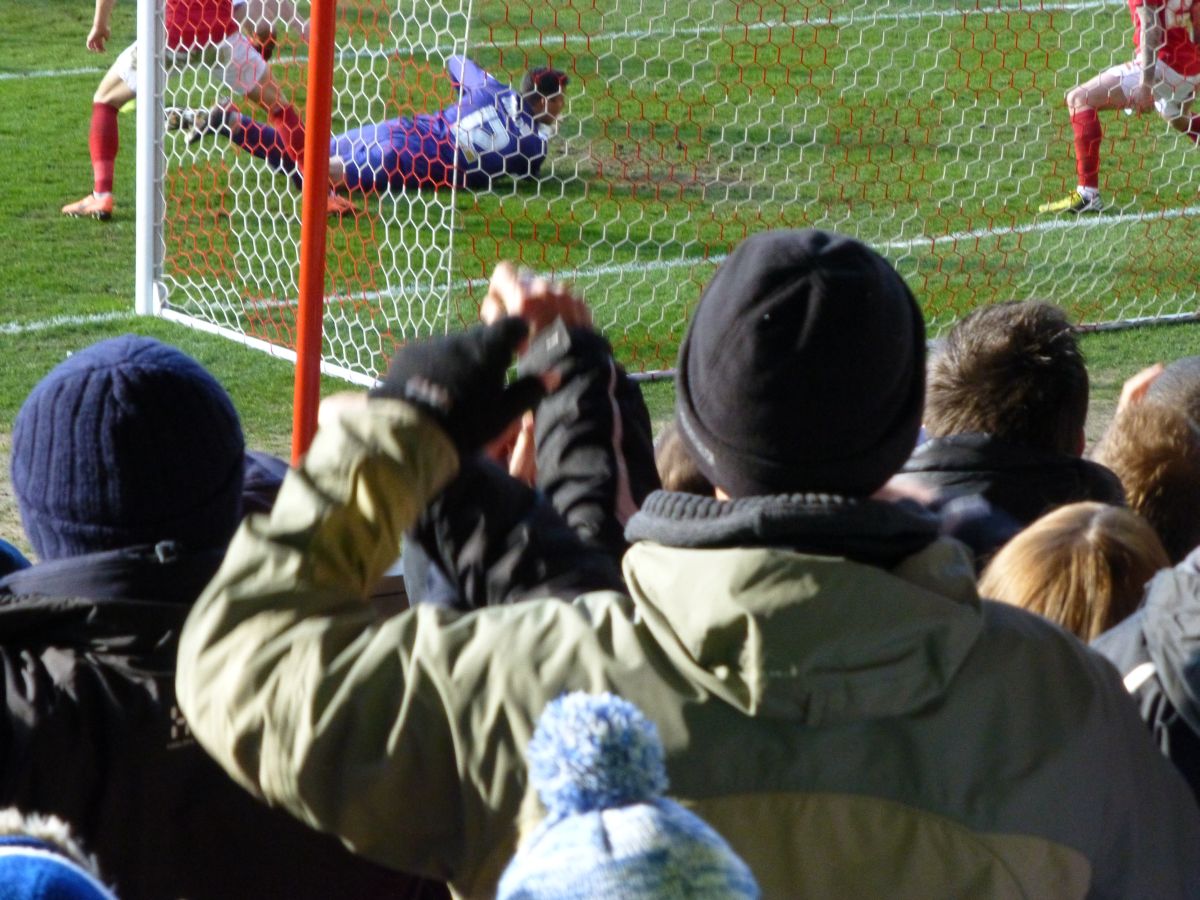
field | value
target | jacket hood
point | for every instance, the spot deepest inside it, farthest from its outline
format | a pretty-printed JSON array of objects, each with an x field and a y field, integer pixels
[
  {"x": 129, "y": 602},
  {"x": 816, "y": 638},
  {"x": 160, "y": 573},
  {"x": 1020, "y": 480},
  {"x": 1171, "y": 626}
]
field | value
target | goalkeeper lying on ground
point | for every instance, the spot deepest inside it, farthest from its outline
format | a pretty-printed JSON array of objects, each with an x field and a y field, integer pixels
[{"x": 490, "y": 132}]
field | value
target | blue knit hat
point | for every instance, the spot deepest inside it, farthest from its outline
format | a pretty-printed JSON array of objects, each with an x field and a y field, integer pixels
[
  {"x": 127, "y": 442},
  {"x": 597, "y": 765},
  {"x": 32, "y": 869}
]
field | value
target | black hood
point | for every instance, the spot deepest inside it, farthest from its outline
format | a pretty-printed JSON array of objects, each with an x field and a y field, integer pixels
[{"x": 1022, "y": 481}]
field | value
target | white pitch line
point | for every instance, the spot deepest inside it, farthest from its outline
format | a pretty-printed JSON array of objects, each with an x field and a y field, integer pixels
[
  {"x": 10, "y": 328},
  {"x": 640, "y": 34},
  {"x": 1034, "y": 227},
  {"x": 661, "y": 265},
  {"x": 581, "y": 274},
  {"x": 50, "y": 73}
]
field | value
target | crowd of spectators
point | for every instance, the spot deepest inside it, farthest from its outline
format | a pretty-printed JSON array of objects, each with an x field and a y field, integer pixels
[{"x": 880, "y": 623}]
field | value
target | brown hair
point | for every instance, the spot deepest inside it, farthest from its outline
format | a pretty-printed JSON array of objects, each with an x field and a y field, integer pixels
[
  {"x": 544, "y": 81},
  {"x": 676, "y": 468},
  {"x": 1155, "y": 451},
  {"x": 1012, "y": 370},
  {"x": 1084, "y": 566}
]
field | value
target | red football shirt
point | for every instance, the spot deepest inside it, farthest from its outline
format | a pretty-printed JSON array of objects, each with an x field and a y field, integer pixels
[
  {"x": 194, "y": 23},
  {"x": 1178, "y": 51}
]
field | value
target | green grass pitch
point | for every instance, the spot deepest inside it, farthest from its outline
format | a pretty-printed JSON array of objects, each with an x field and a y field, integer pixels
[{"x": 932, "y": 129}]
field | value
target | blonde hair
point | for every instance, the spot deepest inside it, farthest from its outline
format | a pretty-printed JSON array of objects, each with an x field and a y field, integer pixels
[
  {"x": 1155, "y": 451},
  {"x": 1084, "y": 566}
]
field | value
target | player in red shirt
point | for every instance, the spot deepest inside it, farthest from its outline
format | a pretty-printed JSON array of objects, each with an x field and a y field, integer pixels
[
  {"x": 1163, "y": 74},
  {"x": 196, "y": 30}
]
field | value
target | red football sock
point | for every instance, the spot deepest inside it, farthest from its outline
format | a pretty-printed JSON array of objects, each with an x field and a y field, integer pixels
[
  {"x": 1086, "y": 125},
  {"x": 291, "y": 130},
  {"x": 102, "y": 143}
]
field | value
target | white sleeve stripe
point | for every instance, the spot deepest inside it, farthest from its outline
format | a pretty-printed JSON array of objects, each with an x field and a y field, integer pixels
[{"x": 1139, "y": 676}]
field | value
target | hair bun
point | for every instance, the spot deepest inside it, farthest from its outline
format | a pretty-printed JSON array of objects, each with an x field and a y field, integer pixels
[{"x": 594, "y": 752}]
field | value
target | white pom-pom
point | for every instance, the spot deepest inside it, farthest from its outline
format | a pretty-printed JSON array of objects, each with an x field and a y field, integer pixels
[{"x": 593, "y": 752}]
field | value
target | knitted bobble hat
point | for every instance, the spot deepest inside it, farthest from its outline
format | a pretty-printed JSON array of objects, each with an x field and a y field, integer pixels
[
  {"x": 127, "y": 442},
  {"x": 33, "y": 869},
  {"x": 803, "y": 368},
  {"x": 597, "y": 765}
]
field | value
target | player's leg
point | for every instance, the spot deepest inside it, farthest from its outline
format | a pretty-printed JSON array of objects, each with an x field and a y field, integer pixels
[
  {"x": 257, "y": 139},
  {"x": 116, "y": 88},
  {"x": 282, "y": 115},
  {"x": 362, "y": 159},
  {"x": 261, "y": 16},
  {"x": 247, "y": 73},
  {"x": 1108, "y": 90},
  {"x": 1173, "y": 100}
]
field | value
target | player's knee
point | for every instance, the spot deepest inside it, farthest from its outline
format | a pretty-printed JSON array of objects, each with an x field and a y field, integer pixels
[
  {"x": 113, "y": 96},
  {"x": 1077, "y": 99}
]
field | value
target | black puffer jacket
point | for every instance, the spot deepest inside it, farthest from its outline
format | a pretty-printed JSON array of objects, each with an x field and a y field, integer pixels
[
  {"x": 1157, "y": 651},
  {"x": 93, "y": 735},
  {"x": 1023, "y": 482},
  {"x": 497, "y": 540}
]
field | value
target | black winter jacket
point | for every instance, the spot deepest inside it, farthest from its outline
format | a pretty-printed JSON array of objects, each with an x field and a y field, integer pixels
[
  {"x": 1022, "y": 482},
  {"x": 93, "y": 735},
  {"x": 1157, "y": 651},
  {"x": 498, "y": 540}
]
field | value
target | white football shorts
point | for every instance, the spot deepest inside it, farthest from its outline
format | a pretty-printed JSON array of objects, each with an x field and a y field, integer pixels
[
  {"x": 1172, "y": 92},
  {"x": 241, "y": 66}
]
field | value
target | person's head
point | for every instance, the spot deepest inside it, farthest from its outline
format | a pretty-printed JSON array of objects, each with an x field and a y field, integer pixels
[
  {"x": 1084, "y": 566},
  {"x": 543, "y": 89},
  {"x": 40, "y": 859},
  {"x": 1014, "y": 371},
  {"x": 676, "y": 469},
  {"x": 1154, "y": 448},
  {"x": 1178, "y": 387},
  {"x": 802, "y": 370},
  {"x": 127, "y": 442},
  {"x": 598, "y": 767}
]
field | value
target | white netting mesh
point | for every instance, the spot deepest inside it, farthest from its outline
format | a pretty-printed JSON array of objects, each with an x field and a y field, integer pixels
[{"x": 931, "y": 129}]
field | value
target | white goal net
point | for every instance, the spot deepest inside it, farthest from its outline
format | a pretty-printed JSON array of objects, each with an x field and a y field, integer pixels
[{"x": 932, "y": 129}]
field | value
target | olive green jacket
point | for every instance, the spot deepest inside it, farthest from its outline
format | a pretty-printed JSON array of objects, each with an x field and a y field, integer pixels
[{"x": 852, "y": 731}]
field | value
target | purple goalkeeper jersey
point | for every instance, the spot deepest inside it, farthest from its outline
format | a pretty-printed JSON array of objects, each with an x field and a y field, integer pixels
[{"x": 487, "y": 134}]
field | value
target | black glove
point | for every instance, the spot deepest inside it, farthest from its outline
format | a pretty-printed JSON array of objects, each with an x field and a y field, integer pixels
[{"x": 459, "y": 380}]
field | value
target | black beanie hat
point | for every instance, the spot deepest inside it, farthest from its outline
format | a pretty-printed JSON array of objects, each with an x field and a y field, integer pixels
[
  {"x": 803, "y": 368},
  {"x": 127, "y": 442}
]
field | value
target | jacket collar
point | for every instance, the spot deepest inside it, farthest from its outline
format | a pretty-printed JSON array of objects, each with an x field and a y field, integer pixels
[
  {"x": 161, "y": 572},
  {"x": 130, "y": 602},
  {"x": 869, "y": 531}
]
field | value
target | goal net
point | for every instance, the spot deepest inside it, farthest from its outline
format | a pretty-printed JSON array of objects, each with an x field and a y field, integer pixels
[{"x": 932, "y": 129}]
